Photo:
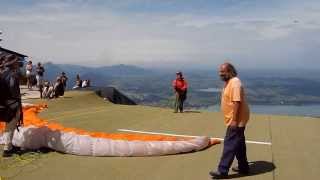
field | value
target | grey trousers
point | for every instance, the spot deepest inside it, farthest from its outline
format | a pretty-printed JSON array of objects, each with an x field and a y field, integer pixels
[{"x": 178, "y": 105}]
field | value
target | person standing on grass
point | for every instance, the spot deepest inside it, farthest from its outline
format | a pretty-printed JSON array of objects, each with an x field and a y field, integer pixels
[
  {"x": 40, "y": 71},
  {"x": 180, "y": 87},
  {"x": 29, "y": 74},
  {"x": 236, "y": 115},
  {"x": 10, "y": 102}
]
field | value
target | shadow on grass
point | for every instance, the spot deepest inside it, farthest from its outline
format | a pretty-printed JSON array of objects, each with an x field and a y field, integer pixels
[
  {"x": 22, "y": 158},
  {"x": 40, "y": 151},
  {"x": 66, "y": 97},
  {"x": 256, "y": 167},
  {"x": 190, "y": 111}
]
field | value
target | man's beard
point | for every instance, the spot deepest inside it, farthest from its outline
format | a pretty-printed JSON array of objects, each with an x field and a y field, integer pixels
[{"x": 225, "y": 78}]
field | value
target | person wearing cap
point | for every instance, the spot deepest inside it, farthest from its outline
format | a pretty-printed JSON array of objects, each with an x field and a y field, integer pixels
[
  {"x": 11, "y": 99},
  {"x": 180, "y": 87},
  {"x": 236, "y": 115}
]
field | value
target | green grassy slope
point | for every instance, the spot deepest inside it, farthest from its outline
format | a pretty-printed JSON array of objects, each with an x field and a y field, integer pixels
[{"x": 294, "y": 151}]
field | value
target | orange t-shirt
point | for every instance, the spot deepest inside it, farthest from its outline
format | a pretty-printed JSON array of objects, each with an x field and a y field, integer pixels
[{"x": 233, "y": 91}]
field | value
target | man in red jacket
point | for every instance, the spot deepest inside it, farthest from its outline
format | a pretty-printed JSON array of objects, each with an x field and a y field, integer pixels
[{"x": 180, "y": 87}]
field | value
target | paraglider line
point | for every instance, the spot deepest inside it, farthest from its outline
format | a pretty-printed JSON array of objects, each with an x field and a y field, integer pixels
[{"x": 182, "y": 135}]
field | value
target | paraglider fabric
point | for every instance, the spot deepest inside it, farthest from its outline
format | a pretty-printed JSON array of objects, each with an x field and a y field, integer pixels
[{"x": 38, "y": 133}]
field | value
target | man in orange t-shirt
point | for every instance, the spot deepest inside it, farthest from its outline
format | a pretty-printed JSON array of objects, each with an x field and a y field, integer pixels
[
  {"x": 180, "y": 87},
  {"x": 236, "y": 115}
]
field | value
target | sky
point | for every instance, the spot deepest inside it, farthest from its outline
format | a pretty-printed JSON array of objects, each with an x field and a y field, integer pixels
[{"x": 256, "y": 34}]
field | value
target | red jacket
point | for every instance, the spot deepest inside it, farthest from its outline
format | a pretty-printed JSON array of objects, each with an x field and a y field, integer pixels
[{"x": 180, "y": 84}]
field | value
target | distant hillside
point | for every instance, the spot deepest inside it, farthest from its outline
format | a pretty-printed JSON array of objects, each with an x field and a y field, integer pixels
[
  {"x": 153, "y": 87},
  {"x": 99, "y": 76}
]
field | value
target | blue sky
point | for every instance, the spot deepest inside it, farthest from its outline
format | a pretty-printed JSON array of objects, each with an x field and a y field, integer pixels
[{"x": 165, "y": 33}]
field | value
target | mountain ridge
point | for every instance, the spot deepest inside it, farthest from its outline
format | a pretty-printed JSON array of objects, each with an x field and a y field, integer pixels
[{"x": 153, "y": 87}]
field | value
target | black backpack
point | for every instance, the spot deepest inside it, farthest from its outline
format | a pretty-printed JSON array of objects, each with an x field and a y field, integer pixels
[{"x": 6, "y": 112}]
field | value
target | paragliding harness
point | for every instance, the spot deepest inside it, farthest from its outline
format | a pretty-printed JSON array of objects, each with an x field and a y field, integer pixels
[
  {"x": 9, "y": 106},
  {"x": 5, "y": 112}
]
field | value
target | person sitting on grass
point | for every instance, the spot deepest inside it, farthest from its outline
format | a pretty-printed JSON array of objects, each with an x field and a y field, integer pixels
[
  {"x": 47, "y": 92},
  {"x": 58, "y": 88},
  {"x": 85, "y": 83},
  {"x": 78, "y": 82}
]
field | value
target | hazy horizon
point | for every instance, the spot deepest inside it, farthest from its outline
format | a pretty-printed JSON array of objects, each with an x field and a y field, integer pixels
[
  {"x": 275, "y": 34},
  {"x": 216, "y": 67},
  {"x": 247, "y": 72}
]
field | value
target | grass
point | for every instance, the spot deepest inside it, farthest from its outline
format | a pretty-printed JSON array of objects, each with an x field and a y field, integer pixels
[{"x": 87, "y": 111}]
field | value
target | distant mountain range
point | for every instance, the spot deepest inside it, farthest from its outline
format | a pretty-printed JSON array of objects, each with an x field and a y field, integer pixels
[
  {"x": 153, "y": 87},
  {"x": 99, "y": 76}
]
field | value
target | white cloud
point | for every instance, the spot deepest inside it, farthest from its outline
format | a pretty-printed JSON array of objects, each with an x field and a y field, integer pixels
[{"x": 65, "y": 33}]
